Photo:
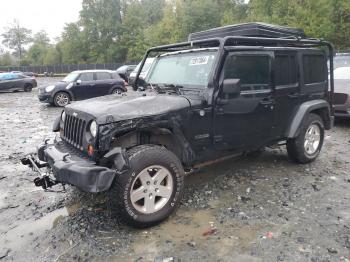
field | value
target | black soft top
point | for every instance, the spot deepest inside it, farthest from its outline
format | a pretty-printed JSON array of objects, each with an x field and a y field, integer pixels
[{"x": 248, "y": 29}]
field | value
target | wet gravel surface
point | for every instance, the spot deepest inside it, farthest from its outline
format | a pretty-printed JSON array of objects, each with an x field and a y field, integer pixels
[{"x": 264, "y": 208}]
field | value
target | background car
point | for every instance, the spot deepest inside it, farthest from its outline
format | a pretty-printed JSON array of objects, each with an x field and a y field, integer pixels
[
  {"x": 144, "y": 72},
  {"x": 80, "y": 85},
  {"x": 341, "y": 60},
  {"x": 16, "y": 82},
  {"x": 342, "y": 92},
  {"x": 125, "y": 71}
]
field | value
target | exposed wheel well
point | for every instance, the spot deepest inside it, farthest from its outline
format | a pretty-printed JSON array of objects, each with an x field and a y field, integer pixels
[
  {"x": 324, "y": 114},
  {"x": 157, "y": 136}
]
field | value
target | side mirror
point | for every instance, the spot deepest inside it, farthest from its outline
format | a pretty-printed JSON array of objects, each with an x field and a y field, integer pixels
[
  {"x": 78, "y": 82},
  {"x": 231, "y": 87}
]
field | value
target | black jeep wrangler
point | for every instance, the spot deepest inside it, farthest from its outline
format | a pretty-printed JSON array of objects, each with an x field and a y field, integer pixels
[{"x": 227, "y": 90}]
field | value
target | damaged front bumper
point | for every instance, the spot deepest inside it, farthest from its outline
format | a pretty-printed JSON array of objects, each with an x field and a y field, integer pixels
[{"x": 70, "y": 168}]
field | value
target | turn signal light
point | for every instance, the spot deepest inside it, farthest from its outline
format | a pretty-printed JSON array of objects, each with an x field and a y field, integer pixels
[{"x": 90, "y": 150}]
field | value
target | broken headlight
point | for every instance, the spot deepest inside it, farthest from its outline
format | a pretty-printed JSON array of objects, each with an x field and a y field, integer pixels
[{"x": 93, "y": 128}]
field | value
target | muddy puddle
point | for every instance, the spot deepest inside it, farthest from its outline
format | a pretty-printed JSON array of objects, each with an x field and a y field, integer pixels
[{"x": 20, "y": 235}]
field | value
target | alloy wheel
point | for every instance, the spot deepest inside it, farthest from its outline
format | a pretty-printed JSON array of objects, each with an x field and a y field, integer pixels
[
  {"x": 312, "y": 139},
  {"x": 151, "y": 189}
]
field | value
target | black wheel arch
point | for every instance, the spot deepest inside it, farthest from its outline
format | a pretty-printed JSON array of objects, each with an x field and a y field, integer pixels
[
  {"x": 117, "y": 86},
  {"x": 319, "y": 107},
  {"x": 171, "y": 139}
]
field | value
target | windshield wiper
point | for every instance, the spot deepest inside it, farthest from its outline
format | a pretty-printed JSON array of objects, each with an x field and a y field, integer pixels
[
  {"x": 175, "y": 88},
  {"x": 162, "y": 88}
]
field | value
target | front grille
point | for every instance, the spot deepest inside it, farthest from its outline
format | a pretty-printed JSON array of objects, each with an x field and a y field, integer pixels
[
  {"x": 74, "y": 131},
  {"x": 340, "y": 98}
]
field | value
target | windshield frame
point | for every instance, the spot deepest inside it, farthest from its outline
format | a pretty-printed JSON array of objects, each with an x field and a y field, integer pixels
[{"x": 203, "y": 52}]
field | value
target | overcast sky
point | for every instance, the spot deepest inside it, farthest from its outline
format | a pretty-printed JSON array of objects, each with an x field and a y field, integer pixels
[{"x": 48, "y": 15}]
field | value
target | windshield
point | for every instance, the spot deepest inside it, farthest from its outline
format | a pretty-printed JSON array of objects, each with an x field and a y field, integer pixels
[
  {"x": 342, "y": 73},
  {"x": 71, "y": 77},
  {"x": 186, "y": 69}
]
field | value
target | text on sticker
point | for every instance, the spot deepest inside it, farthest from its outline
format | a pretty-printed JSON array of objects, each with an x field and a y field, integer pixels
[{"x": 202, "y": 60}]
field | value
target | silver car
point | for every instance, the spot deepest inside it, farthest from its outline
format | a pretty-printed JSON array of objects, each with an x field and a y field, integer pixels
[{"x": 342, "y": 92}]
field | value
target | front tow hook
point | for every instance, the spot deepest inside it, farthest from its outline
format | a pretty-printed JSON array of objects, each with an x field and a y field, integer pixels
[{"x": 43, "y": 181}]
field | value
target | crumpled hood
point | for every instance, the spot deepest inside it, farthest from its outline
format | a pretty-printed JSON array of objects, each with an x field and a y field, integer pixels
[{"x": 113, "y": 108}]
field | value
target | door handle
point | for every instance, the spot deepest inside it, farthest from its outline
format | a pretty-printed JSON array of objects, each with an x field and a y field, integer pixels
[
  {"x": 293, "y": 95},
  {"x": 267, "y": 101}
]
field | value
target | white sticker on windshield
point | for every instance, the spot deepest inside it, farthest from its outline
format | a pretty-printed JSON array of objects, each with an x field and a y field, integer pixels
[{"x": 202, "y": 60}]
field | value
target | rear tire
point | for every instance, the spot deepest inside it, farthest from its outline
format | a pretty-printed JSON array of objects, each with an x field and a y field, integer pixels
[
  {"x": 28, "y": 88},
  {"x": 306, "y": 147},
  {"x": 117, "y": 91},
  {"x": 61, "y": 99},
  {"x": 151, "y": 190}
]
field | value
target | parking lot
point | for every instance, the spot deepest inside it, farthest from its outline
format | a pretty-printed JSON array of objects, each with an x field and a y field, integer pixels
[{"x": 264, "y": 208}]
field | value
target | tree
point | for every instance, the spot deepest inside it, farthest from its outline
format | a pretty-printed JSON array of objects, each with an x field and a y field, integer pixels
[
  {"x": 16, "y": 37},
  {"x": 73, "y": 45},
  {"x": 101, "y": 22},
  {"x": 6, "y": 59},
  {"x": 39, "y": 49}
]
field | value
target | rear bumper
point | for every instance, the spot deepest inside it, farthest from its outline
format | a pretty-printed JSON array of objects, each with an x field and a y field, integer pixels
[
  {"x": 342, "y": 111},
  {"x": 69, "y": 168}
]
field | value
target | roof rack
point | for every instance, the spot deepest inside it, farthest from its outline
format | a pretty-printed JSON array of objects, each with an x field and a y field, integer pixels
[
  {"x": 248, "y": 29},
  {"x": 289, "y": 40}
]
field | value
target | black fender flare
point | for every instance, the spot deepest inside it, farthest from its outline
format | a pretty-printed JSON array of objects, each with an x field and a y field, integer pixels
[{"x": 303, "y": 110}]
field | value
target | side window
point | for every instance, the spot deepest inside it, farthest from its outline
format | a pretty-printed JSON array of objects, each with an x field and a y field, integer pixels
[
  {"x": 103, "y": 76},
  {"x": 285, "y": 70},
  {"x": 314, "y": 67},
  {"x": 252, "y": 70},
  {"x": 86, "y": 77}
]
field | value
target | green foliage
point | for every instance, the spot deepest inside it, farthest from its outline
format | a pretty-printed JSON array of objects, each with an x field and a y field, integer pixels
[
  {"x": 15, "y": 37},
  {"x": 122, "y": 30}
]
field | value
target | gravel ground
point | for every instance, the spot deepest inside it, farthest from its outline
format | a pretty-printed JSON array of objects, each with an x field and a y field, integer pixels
[{"x": 264, "y": 208}]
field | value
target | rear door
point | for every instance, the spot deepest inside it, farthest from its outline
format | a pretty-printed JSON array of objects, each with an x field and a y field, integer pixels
[
  {"x": 104, "y": 83},
  {"x": 287, "y": 90},
  {"x": 245, "y": 121}
]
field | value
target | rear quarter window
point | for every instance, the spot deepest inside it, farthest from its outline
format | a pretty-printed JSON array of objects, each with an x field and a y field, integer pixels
[
  {"x": 314, "y": 67},
  {"x": 103, "y": 76}
]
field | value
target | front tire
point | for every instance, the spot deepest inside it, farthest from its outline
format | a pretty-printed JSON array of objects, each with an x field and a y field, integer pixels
[
  {"x": 151, "y": 190},
  {"x": 306, "y": 147},
  {"x": 61, "y": 99}
]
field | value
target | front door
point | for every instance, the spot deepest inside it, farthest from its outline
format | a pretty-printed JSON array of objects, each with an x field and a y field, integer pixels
[
  {"x": 83, "y": 88},
  {"x": 245, "y": 121}
]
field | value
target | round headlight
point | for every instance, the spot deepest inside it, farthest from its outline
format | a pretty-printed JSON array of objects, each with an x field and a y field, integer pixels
[
  {"x": 63, "y": 116},
  {"x": 93, "y": 128},
  {"x": 49, "y": 88}
]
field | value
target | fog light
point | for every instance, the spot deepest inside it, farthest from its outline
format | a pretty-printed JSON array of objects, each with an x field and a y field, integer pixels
[{"x": 90, "y": 150}]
